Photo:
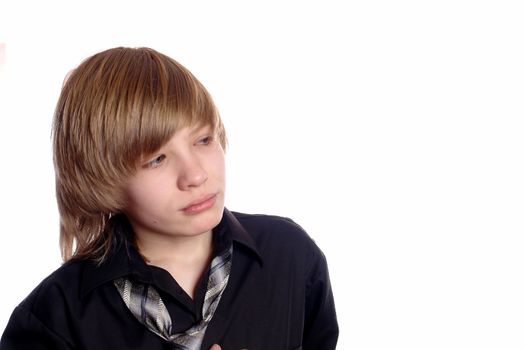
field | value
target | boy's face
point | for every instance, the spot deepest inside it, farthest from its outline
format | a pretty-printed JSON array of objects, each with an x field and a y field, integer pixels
[{"x": 179, "y": 190}]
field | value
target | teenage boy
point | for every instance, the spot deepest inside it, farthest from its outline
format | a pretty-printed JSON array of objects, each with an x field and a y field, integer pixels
[{"x": 153, "y": 259}]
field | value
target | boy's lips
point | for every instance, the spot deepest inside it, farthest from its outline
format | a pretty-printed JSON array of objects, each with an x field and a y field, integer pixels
[{"x": 200, "y": 204}]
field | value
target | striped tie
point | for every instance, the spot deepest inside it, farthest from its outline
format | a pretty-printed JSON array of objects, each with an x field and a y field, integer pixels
[{"x": 146, "y": 305}]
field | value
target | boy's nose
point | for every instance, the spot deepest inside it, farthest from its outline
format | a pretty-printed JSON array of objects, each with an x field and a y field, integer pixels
[{"x": 191, "y": 175}]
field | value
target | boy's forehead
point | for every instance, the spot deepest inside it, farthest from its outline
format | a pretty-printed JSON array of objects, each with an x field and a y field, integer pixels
[
  {"x": 191, "y": 130},
  {"x": 200, "y": 127}
]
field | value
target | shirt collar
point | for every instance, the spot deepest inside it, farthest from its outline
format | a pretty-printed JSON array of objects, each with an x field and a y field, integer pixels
[
  {"x": 126, "y": 260},
  {"x": 238, "y": 233}
]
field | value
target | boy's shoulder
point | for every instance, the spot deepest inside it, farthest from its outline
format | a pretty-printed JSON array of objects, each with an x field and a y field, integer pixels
[
  {"x": 262, "y": 218},
  {"x": 275, "y": 231},
  {"x": 265, "y": 223},
  {"x": 62, "y": 284}
]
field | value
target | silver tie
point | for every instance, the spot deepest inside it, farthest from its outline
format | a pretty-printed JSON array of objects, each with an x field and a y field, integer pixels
[{"x": 146, "y": 305}]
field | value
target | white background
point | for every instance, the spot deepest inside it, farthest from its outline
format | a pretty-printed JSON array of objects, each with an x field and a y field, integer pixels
[{"x": 392, "y": 131}]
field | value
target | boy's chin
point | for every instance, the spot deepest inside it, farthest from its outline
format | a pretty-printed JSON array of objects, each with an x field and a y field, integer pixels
[{"x": 205, "y": 221}]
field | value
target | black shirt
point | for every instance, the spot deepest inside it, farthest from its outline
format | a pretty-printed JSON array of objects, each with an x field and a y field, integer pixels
[{"x": 278, "y": 297}]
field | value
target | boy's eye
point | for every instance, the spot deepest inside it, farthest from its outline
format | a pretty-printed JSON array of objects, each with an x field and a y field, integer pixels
[
  {"x": 155, "y": 162},
  {"x": 205, "y": 140}
]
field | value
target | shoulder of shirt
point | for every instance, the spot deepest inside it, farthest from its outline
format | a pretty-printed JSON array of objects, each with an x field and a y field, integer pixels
[
  {"x": 269, "y": 222},
  {"x": 264, "y": 219},
  {"x": 49, "y": 305},
  {"x": 277, "y": 231},
  {"x": 62, "y": 284},
  {"x": 283, "y": 243}
]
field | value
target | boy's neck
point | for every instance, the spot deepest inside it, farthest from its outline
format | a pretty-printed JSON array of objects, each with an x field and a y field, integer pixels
[
  {"x": 185, "y": 258},
  {"x": 164, "y": 251}
]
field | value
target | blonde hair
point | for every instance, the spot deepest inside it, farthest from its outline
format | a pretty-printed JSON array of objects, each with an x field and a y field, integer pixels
[{"x": 114, "y": 108}]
